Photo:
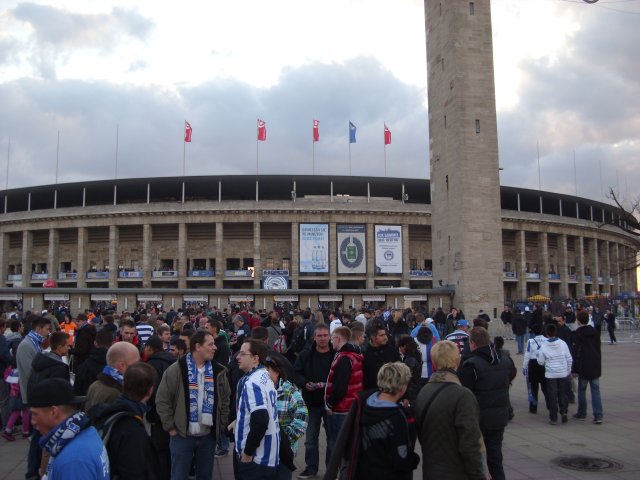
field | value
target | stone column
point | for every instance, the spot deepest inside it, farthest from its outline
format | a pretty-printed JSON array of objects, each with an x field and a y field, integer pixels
[
  {"x": 563, "y": 265},
  {"x": 580, "y": 290},
  {"x": 182, "y": 255},
  {"x": 53, "y": 262},
  {"x": 607, "y": 267},
  {"x": 617, "y": 279},
  {"x": 406, "y": 267},
  {"x": 543, "y": 261},
  {"x": 4, "y": 258},
  {"x": 257, "y": 259},
  {"x": 295, "y": 254},
  {"x": 81, "y": 267},
  {"x": 521, "y": 254},
  {"x": 596, "y": 267},
  {"x": 333, "y": 256},
  {"x": 147, "y": 233},
  {"x": 220, "y": 263},
  {"x": 371, "y": 257},
  {"x": 27, "y": 251},
  {"x": 114, "y": 241}
]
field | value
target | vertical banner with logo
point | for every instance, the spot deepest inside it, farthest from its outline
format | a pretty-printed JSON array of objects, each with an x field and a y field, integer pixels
[
  {"x": 314, "y": 248},
  {"x": 388, "y": 248},
  {"x": 352, "y": 257}
]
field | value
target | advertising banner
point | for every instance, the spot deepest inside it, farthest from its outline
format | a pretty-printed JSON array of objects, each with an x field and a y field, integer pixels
[
  {"x": 388, "y": 248},
  {"x": 351, "y": 249},
  {"x": 314, "y": 248}
]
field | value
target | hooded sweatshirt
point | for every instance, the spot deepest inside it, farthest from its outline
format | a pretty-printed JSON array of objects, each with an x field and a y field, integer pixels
[{"x": 554, "y": 355}]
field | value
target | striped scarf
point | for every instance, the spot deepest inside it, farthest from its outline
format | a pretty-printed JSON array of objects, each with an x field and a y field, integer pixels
[
  {"x": 56, "y": 440},
  {"x": 207, "y": 401},
  {"x": 36, "y": 340}
]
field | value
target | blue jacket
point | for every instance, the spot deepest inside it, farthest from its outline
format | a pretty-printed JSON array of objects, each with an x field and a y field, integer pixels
[{"x": 85, "y": 458}]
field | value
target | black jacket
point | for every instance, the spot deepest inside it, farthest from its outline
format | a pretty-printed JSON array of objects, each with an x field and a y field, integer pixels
[
  {"x": 160, "y": 362},
  {"x": 83, "y": 344},
  {"x": 131, "y": 454},
  {"x": 47, "y": 365},
  {"x": 374, "y": 358},
  {"x": 87, "y": 372},
  {"x": 587, "y": 359},
  {"x": 314, "y": 367},
  {"x": 487, "y": 376},
  {"x": 223, "y": 351}
]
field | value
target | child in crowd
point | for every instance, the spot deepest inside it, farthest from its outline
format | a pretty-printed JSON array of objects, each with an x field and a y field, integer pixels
[{"x": 16, "y": 408}]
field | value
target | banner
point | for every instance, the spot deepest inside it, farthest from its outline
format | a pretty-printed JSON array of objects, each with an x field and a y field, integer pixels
[
  {"x": 314, "y": 248},
  {"x": 352, "y": 257},
  {"x": 388, "y": 248}
]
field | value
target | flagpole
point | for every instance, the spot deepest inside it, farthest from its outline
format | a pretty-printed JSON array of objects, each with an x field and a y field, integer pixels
[
  {"x": 117, "y": 133},
  {"x": 57, "y": 156},
  {"x": 349, "y": 157},
  {"x": 6, "y": 181},
  {"x": 313, "y": 157},
  {"x": 184, "y": 153},
  {"x": 257, "y": 140},
  {"x": 385, "y": 159}
]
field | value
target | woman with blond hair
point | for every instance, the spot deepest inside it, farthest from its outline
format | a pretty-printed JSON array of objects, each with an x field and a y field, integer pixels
[
  {"x": 375, "y": 440},
  {"x": 448, "y": 421}
]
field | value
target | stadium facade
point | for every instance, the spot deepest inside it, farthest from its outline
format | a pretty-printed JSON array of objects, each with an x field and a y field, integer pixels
[{"x": 304, "y": 240}]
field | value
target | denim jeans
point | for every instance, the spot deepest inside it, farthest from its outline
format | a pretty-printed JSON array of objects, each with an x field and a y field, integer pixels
[
  {"x": 34, "y": 456},
  {"x": 223, "y": 443},
  {"x": 183, "y": 450},
  {"x": 334, "y": 424},
  {"x": 520, "y": 342},
  {"x": 596, "y": 400},
  {"x": 317, "y": 415},
  {"x": 253, "y": 471}
]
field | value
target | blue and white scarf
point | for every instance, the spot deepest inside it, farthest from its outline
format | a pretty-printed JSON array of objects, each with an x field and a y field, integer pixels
[
  {"x": 109, "y": 371},
  {"x": 36, "y": 340},
  {"x": 58, "y": 438},
  {"x": 207, "y": 401}
]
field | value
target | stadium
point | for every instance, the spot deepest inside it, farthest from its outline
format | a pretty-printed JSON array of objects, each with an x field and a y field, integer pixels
[{"x": 296, "y": 241}]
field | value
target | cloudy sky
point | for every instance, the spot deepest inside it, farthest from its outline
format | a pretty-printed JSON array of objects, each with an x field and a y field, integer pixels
[{"x": 567, "y": 84}]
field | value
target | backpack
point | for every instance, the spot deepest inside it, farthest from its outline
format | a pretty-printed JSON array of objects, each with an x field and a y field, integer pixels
[
  {"x": 298, "y": 341},
  {"x": 105, "y": 427},
  {"x": 280, "y": 345}
]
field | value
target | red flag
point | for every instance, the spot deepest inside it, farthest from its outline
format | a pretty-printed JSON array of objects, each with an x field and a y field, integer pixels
[
  {"x": 262, "y": 131},
  {"x": 187, "y": 131},
  {"x": 316, "y": 130},
  {"x": 387, "y": 135}
]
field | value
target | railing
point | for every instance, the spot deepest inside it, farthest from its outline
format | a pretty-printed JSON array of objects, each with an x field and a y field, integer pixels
[
  {"x": 553, "y": 276},
  {"x": 202, "y": 273},
  {"x": 14, "y": 278},
  {"x": 510, "y": 275},
  {"x": 67, "y": 276},
  {"x": 97, "y": 275},
  {"x": 164, "y": 274},
  {"x": 532, "y": 276},
  {"x": 238, "y": 273},
  {"x": 39, "y": 276},
  {"x": 420, "y": 274},
  {"x": 131, "y": 274}
]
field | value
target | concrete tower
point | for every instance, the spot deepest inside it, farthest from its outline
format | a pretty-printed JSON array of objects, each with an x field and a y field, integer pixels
[{"x": 463, "y": 150}]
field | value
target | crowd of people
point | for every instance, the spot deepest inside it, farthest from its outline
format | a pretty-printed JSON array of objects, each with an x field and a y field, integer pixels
[{"x": 159, "y": 395}]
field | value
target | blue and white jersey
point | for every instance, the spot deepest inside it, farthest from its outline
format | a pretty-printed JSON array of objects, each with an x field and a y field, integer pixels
[
  {"x": 144, "y": 332},
  {"x": 257, "y": 392}
]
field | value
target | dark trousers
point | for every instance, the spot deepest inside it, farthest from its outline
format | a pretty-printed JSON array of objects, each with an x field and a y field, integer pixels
[
  {"x": 317, "y": 416},
  {"x": 537, "y": 381},
  {"x": 253, "y": 471},
  {"x": 160, "y": 442},
  {"x": 493, "y": 443},
  {"x": 556, "y": 397},
  {"x": 35, "y": 456},
  {"x": 612, "y": 336}
]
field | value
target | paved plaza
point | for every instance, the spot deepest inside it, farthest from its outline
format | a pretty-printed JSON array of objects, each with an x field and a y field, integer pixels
[{"x": 532, "y": 447}]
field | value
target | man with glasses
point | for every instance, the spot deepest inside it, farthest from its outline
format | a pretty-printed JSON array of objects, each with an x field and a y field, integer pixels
[
  {"x": 257, "y": 431},
  {"x": 378, "y": 352}
]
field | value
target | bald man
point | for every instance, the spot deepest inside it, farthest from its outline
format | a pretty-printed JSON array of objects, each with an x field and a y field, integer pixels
[{"x": 108, "y": 387}]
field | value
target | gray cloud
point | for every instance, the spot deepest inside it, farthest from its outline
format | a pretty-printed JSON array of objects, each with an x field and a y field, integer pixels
[
  {"x": 58, "y": 32},
  {"x": 223, "y": 115}
]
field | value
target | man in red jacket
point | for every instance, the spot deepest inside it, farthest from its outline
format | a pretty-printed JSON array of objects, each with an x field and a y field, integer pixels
[{"x": 343, "y": 384}]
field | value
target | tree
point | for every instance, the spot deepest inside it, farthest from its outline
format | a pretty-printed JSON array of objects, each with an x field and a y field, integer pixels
[{"x": 628, "y": 220}]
